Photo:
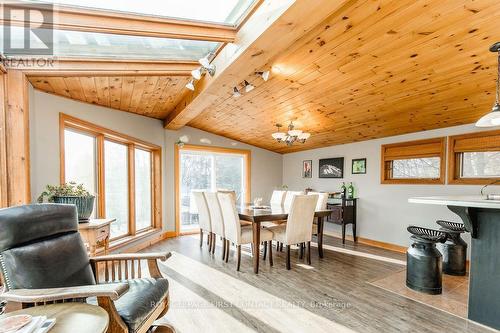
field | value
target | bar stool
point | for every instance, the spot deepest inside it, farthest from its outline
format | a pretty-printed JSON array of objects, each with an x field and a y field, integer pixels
[
  {"x": 424, "y": 261},
  {"x": 455, "y": 249}
]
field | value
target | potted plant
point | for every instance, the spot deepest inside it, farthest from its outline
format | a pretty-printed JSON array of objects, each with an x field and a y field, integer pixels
[{"x": 70, "y": 193}]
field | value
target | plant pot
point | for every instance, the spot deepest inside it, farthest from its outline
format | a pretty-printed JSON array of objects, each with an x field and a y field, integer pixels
[{"x": 84, "y": 206}]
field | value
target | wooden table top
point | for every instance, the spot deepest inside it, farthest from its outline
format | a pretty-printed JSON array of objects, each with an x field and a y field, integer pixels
[
  {"x": 95, "y": 223},
  {"x": 270, "y": 213},
  {"x": 70, "y": 317}
]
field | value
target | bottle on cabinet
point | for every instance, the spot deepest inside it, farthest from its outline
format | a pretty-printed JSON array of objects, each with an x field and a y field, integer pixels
[
  {"x": 350, "y": 191},
  {"x": 343, "y": 190}
]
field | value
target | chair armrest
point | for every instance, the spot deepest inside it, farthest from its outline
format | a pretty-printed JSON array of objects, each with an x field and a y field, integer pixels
[
  {"x": 111, "y": 290},
  {"x": 132, "y": 256}
]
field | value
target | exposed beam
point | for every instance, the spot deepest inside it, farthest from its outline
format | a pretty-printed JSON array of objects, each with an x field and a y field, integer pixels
[
  {"x": 273, "y": 27},
  {"x": 78, "y": 19},
  {"x": 99, "y": 67},
  {"x": 17, "y": 138}
]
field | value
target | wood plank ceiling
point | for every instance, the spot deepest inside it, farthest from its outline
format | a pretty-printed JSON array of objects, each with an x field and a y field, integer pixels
[
  {"x": 151, "y": 96},
  {"x": 374, "y": 68}
]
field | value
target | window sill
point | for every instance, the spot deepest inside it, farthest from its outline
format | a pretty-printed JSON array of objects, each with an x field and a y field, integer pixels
[
  {"x": 119, "y": 243},
  {"x": 471, "y": 181},
  {"x": 417, "y": 181}
]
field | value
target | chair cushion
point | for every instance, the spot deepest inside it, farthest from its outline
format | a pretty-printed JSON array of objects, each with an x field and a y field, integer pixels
[
  {"x": 247, "y": 235},
  {"x": 141, "y": 300}
]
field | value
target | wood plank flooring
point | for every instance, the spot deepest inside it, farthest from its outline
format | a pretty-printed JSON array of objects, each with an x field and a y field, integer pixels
[{"x": 333, "y": 294}]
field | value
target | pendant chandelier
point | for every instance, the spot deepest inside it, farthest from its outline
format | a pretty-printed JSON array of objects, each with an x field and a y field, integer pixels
[
  {"x": 293, "y": 135},
  {"x": 493, "y": 118}
]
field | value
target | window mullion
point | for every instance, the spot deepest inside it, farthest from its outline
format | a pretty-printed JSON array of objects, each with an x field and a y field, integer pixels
[
  {"x": 131, "y": 189},
  {"x": 101, "y": 202}
]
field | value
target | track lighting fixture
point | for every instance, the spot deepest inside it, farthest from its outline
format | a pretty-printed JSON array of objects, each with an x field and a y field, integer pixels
[
  {"x": 205, "y": 61},
  {"x": 236, "y": 92},
  {"x": 248, "y": 87},
  {"x": 190, "y": 85},
  {"x": 264, "y": 75},
  {"x": 196, "y": 73}
]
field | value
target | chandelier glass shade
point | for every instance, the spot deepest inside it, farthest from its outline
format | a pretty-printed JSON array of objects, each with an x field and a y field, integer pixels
[{"x": 291, "y": 136}]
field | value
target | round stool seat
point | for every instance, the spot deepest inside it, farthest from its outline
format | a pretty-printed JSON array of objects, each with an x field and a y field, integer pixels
[
  {"x": 452, "y": 226},
  {"x": 427, "y": 235}
]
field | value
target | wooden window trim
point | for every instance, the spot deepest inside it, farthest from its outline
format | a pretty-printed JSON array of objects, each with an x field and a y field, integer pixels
[
  {"x": 426, "y": 143},
  {"x": 248, "y": 162},
  {"x": 477, "y": 142},
  {"x": 101, "y": 134},
  {"x": 3, "y": 147}
]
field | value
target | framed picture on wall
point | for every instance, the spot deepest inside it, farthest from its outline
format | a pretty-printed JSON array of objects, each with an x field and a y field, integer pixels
[
  {"x": 359, "y": 166},
  {"x": 331, "y": 167},
  {"x": 307, "y": 169}
]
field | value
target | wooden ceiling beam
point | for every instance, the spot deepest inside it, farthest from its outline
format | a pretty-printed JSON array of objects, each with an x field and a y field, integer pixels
[
  {"x": 257, "y": 45},
  {"x": 99, "y": 67},
  {"x": 78, "y": 19}
]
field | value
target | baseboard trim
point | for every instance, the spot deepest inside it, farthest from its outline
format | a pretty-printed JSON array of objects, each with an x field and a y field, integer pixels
[{"x": 371, "y": 242}]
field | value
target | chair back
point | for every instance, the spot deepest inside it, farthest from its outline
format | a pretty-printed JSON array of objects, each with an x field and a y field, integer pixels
[
  {"x": 203, "y": 213},
  {"x": 278, "y": 198},
  {"x": 289, "y": 197},
  {"x": 300, "y": 219},
  {"x": 232, "y": 226},
  {"x": 215, "y": 213},
  {"x": 40, "y": 247},
  {"x": 322, "y": 200},
  {"x": 233, "y": 193}
]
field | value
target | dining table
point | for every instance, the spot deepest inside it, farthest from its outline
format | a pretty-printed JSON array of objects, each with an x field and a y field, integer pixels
[{"x": 257, "y": 215}]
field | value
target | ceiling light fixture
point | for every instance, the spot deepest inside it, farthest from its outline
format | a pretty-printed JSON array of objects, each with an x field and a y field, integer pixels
[
  {"x": 493, "y": 118},
  {"x": 248, "y": 87},
  {"x": 205, "y": 61},
  {"x": 236, "y": 92},
  {"x": 293, "y": 135},
  {"x": 190, "y": 85},
  {"x": 264, "y": 75},
  {"x": 196, "y": 73}
]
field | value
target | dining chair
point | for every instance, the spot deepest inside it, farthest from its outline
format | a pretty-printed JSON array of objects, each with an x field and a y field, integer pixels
[
  {"x": 216, "y": 220},
  {"x": 298, "y": 227},
  {"x": 203, "y": 218},
  {"x": 239, "y": 234},
  {"x": 235, "y": 197},
  {"x": 320, "y": 205},
  {"x": 278, "y": 198},
  {"x": 289, "y": 197}
]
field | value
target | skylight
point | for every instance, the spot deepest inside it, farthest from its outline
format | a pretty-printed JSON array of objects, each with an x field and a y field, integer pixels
[
  {"x": 99, "y": 45},
  {"x": 228, "y": 12}
]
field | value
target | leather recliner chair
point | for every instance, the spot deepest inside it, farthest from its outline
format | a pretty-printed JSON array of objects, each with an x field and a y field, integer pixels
[{"x": 40, "y": 249}]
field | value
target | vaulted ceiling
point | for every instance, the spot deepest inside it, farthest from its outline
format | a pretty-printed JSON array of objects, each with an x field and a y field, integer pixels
[{"x": 365, "y": 69}]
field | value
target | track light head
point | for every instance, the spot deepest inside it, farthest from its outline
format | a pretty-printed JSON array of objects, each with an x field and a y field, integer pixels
[
  {"x": 210, "y": 69},
  {"x": 264, "y": 75},
  {"x": 205, "y": 61},
  {"x": 196, "y": 73},
  {"x": 236, "y": 92},
  {"x": 190, "y": 85},
  {"x": 248, "y": 87}
]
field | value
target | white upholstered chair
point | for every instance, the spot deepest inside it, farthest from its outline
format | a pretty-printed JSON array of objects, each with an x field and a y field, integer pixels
[
  {"x": 236, "y": 233},
  {"x": 289, "y": 197},
  {"x": 278, "y": 198},
  {"x": 298, "y": 227},
  {"x": 322, "y": 199},
  {"x": 203, "y": 218},
  {"x": 216, "y": 220}
]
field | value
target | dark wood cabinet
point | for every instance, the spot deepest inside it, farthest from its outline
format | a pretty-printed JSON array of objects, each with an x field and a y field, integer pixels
[{"x": 344, "y": 213}]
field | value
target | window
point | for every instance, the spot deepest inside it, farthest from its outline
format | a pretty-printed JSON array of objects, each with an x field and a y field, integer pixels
[
  {"x": 415, "y": 162},
  {"x": 123, "y": 172},
  {"x": 208, "y": 168},
  {"x": 474, "y": 158}
]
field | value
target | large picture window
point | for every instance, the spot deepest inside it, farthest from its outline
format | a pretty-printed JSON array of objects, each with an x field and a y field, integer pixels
[
  {"x": 415, "y": 162},
  {"x": 123, "y": 172},
  {"x": 208, "y": 168},
  {"x": 474, "y": 158}
]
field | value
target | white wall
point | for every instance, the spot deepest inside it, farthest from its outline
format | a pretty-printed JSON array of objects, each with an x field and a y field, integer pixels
[
  {"x": 383, "y": 211},
  {"x": 44, "y": 141}
]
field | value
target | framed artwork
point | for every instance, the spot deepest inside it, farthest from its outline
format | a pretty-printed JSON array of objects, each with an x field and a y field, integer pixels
[
  {"x": 359, "y": 166},
  {"x": 331, "y": 167},
  {"x": 307, "y": 169}
]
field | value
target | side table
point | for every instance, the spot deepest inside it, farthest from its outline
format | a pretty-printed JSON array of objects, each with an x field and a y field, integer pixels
[{"x": 96, "y": 233}]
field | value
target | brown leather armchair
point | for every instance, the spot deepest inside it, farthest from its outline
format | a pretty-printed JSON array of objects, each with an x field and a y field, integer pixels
[{"x": 43, "y": 260}]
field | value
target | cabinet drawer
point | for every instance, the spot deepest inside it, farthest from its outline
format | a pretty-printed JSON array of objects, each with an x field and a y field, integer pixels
[{"x": 102, "y": 233}]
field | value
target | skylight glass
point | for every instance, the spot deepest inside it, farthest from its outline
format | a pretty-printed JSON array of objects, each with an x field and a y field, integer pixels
[
  {"x": 228, "y": 12},
  {"x": 79, "y": 44}
]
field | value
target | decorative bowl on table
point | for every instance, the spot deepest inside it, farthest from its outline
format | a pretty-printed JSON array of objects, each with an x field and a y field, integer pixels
[{"x": 12, "y": 324}]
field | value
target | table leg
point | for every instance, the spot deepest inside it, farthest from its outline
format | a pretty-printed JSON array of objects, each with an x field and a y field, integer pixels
[
  {"x": 320, "y": 236},
  {"x": 256, "y": 246}
]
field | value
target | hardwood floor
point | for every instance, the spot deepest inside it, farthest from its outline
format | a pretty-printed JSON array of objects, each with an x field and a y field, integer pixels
[{"x": 333, "y": 294}]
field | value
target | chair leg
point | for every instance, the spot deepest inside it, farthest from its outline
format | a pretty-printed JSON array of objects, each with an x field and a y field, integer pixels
[
  {"x": 214, "y": 243},
  {"x": 301, "y": 253},
  {"x": 277, "y": 246},
  {"x": 281, "y": 247},
  {"x": 309, "y": 253},
  {"x": 288, "y": 265},
  {"x": 239, "y": 258},
  {"x": 265, "y": 251},
  {"x": 209, "y": 235},
  {"x": 252, "y": 249},
  {"x": 224, "y": 243},
  {"x": 271, "y": 253},
  {"x": 343, "y": 233},
  {"x": 228, "y": 250},
  {"x": 201, "y": 238}
]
